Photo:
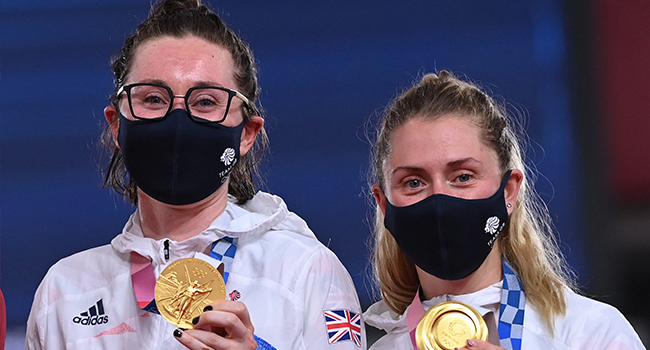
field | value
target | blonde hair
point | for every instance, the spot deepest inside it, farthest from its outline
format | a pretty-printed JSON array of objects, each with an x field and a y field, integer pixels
[{"x": 527, "y": 242}]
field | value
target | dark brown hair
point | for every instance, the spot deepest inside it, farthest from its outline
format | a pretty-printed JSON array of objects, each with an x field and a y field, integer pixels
[{"x": 181, "y": 18}]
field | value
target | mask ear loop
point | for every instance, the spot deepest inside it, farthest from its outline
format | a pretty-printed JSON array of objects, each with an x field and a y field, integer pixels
[{"x": 504, "y": 182}]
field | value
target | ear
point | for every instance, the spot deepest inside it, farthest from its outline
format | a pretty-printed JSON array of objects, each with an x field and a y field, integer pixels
[
  {"x": 249, "y": 134},
  {"x": 512, "y": 188},
  {"x": 110, "y": 113},
  {"x": 379, "y": 197}
]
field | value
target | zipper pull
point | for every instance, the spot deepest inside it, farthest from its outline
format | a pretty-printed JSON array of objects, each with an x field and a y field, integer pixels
[{"x": 166, "y": 249}]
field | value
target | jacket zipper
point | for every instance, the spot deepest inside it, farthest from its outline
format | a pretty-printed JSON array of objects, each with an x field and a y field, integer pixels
[{"x": 166, "y": 249}]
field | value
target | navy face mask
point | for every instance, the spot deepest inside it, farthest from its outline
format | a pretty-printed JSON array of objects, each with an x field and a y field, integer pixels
[
  {"x": 446, "y": 236},
  {"x": 177, "y": 160}
]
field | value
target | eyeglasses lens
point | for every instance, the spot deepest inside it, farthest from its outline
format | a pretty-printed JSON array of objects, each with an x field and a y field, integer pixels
[{"x": 151, "y": 102}]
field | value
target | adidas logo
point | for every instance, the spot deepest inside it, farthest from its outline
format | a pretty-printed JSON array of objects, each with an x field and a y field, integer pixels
[{"x": 94, "y": 316}]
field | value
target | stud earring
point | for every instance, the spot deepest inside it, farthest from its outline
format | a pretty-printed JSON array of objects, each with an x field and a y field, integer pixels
[{"x": 509, "y": 205}]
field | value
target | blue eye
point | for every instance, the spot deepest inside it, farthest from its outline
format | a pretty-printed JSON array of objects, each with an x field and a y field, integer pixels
[
  {"x": 464, "y": 178},
  {"x": 414, "y": 183}
]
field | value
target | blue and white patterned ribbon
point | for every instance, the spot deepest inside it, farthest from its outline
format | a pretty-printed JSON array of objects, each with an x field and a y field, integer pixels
[
  {"x": 511, "y": 312},
  {"x": 224, "y": 250}
]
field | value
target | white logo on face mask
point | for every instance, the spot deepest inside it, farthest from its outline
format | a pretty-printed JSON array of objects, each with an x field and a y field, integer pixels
[
  {"x": 228, "y": 156},
  {"x": 492, "y": 225}
]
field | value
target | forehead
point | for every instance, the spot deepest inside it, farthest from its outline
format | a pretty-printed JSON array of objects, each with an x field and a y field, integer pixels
[
  {"x": 439, "y": 130},
  {"x": 181, "y": 60},
  {"x": 439, "y": 141}
]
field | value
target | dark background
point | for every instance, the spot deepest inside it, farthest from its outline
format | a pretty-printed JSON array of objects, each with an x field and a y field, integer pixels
[{"x": 576, "y": 70}]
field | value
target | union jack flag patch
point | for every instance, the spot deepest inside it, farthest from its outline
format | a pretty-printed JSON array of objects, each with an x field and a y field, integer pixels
[
  {"x": 234, "y": 295},
  {"x": 343, "y": 325}
]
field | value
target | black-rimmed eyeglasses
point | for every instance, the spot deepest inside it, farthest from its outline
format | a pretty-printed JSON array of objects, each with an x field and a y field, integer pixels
[{"x": 154, "y": 101}]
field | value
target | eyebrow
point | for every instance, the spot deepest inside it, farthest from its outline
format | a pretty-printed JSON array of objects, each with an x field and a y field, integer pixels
[
  {"x": 207, "y": 83},
  {"x": 407, "y": 168},
  {"x": 462, "y": 161},
  {"x": 452, "y": 164},
  {"x": 201, "y": 83},
  {"x": 151, "y": 81}
]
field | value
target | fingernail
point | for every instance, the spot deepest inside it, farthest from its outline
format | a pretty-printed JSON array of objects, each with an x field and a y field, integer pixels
[
  {"x": 195, "y": 320},
  {"x": 470, "y": 343},
  {"x": 177, "y": 333},
  {"x": 207, "y": 308}
]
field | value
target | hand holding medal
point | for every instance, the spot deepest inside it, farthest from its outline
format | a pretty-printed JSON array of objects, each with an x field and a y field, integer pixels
[{"x": 190, "y": 293}]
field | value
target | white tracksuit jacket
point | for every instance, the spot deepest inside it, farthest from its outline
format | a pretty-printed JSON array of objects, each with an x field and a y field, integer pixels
[
  {"x": 588, "y": 324},
  {"x": 283, "y": 274}
]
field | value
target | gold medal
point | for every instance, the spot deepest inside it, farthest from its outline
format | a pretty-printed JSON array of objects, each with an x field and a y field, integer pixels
[
  {"x": 185, "y": 287},
  {"x": 448, "y": 325}
]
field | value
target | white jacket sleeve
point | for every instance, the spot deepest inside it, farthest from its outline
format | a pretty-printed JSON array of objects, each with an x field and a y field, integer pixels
[{"x": 332, "y": 312}]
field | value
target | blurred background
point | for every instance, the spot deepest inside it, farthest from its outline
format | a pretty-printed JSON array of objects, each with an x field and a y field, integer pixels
[{"x": 576, "y": 71}]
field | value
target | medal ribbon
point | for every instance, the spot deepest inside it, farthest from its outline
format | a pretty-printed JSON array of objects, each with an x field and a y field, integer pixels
[
  {"x": 144, "y": 282},
  {"x": 511, "y": 311},
  {"x": 413, "y": 317},
  {"x": 224, "y": 250}
]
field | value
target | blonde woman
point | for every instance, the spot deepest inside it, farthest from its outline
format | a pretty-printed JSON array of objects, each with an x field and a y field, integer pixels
[{"x": 457, "y": 219}]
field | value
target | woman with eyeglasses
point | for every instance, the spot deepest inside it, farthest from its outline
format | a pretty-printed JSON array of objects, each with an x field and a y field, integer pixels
[
  {"x": 464, "y": 248},
  {"x": 186, "y": 137}
]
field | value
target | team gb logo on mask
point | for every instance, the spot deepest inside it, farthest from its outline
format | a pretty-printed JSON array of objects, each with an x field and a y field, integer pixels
[
  {"x": 492, "y": 225},
  {"x": 228, "y": 156}
]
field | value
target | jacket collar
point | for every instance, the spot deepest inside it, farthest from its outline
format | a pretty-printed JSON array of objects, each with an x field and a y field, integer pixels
[{"x": 259, "y": 215}]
